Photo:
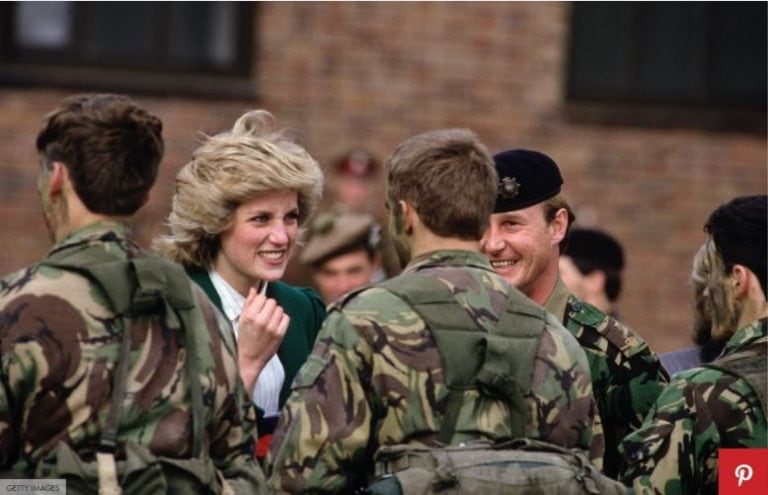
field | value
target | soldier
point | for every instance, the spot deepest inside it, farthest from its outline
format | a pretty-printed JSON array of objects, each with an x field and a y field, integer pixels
[
  {"x": 76, "y": 384},
  {"x": 706, "y": 348},
  {"x": 528, "y": 229},
  {"x": 376, "y": 375},
  {"x": 709, "y": 408},
  {"x": 343, "y": 253},
  {"x": 591, "y": 268}
]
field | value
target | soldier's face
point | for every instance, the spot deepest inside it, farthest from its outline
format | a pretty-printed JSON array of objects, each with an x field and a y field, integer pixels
[
  {"x": 341, "y": 274},
  {"x": 719, "y": 299},
  {"x": 523, "y": 248},
  {"x": 53, "y": 214},
  {"x": 259, "y": 243},
  {"x": 398, "y": 235}
]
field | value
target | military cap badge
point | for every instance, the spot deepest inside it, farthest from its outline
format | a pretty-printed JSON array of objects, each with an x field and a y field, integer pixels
[{"x": 509, "y": 187}]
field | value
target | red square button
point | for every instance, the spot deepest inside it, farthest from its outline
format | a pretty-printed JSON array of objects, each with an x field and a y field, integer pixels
[{"x": 743, "y": 472}]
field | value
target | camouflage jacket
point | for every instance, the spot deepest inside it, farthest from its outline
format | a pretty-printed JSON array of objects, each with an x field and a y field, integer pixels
[
  {"x": 702, "y": 410},
  {"x": 59, "y": 347},
  {"x": 375, "y": 378},
  {"x": 627, "y": 376}
]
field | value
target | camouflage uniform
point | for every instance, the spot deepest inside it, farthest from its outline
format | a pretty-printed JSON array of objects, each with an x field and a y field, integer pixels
[
  {"x": 701, "y": 411},
  {"x": 627, "y": 376},
  {"x": 59, "y": 348},
  {"x": 375, "y": 378}
]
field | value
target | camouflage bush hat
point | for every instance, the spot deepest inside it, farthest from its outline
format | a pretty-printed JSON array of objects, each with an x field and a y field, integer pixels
[
  {"x": 526, "y": 177},
  {"x": 336, "y": 232}
]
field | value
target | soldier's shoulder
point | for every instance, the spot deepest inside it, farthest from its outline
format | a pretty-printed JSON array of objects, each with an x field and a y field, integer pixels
[
  {"x": 41, "y": 279},
  {"x": 368, "y": 297},
  {"x": 616, "y": 334}
]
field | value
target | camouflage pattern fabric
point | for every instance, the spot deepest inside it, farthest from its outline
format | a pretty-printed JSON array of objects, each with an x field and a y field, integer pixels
[
  {"x": 627, "y": 376},
  {"x": 675, "y": 451},
  {"x": 374, "y": 378},
  {"x": 59, "y": 341}
]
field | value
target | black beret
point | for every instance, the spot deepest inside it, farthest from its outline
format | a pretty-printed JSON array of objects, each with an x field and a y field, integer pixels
[
  {"x": 595, "y": 248},
  {"x": 526, "y": 177}
]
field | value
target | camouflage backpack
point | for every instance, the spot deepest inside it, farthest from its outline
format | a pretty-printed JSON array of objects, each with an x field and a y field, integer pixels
[
  {"x": 473, "y": 359},
  {"x": 749, "y": 365},
  {"x": 138, "y": 288}
]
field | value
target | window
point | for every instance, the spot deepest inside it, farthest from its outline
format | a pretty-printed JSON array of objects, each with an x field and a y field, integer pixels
[
  {"x": 158, "y": 47},
  {"x": 704, "y": 55}
]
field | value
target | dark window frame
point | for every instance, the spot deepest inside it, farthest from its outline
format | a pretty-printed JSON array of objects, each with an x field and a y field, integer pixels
[
  {"x": 63, "y": 68},
  {"x": 627, "y": 105}
]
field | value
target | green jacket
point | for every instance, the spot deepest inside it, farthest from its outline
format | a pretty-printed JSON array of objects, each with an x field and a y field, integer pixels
[
  {"x": 675, "y": 452},
  {"x": 375, "y": 378},
  {"x": 306, "y": 310},
  {"x": 627, "y": 376}
]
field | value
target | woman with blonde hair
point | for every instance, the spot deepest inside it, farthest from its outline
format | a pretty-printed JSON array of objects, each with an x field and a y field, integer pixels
[{"x": 236, "y": 215}]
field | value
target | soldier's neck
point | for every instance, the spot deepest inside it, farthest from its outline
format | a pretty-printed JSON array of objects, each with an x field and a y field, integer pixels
[
  {"x": 425, "y": 241},
  {"x": 77, "y": 217},
  {"x": 754, "y": 306}
]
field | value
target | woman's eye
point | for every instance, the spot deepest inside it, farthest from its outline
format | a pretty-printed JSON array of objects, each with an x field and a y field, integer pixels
[
  {"x": 259, "y": 218},
  {"x": 292, "y": 216}
]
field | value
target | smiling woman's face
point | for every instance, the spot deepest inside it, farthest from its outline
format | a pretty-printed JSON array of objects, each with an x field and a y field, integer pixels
[{"x": 259, "y": 243}]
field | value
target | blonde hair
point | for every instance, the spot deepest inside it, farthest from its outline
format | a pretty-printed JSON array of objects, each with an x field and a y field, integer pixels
[{"x": 227, "y": 170}]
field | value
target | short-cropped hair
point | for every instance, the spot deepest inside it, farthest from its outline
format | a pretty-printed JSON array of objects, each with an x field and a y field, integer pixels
[
  {"x": 111, "y": 148},
  {"x": 227, "y": 170},
  {"x": 739, "y": 230},
  {"x": 449, "y": 178}
]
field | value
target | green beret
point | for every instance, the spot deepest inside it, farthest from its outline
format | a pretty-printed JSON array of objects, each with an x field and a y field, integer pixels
[
  {"x": 526, "y": 178},
  {"x": 334, "y": 232}
]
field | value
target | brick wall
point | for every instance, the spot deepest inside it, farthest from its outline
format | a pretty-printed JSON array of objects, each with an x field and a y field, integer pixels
[{"x": 373, "y": 74}]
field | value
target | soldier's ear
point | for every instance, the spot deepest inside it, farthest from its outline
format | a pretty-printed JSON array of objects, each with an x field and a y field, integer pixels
[
  {"x": 409, "y": 213},
  {"x": 743, "y": 281},
  {"x": 59, "y": 176},
  {"x": 559, "y": 226}
]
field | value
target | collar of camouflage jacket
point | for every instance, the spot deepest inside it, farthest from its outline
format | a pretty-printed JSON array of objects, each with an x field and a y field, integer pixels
[
  {"x": 558, "y": 300},
  {"x": 747, "y": 335},
  {"x": 93, "y": 232},
  {"x": 449, "y": 257}
]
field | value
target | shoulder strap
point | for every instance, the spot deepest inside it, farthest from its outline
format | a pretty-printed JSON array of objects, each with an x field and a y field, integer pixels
[
  {"x": 751, "y": 367},
  {"x": 142, "y": 287},
  {"x": 471, "y": 357}
]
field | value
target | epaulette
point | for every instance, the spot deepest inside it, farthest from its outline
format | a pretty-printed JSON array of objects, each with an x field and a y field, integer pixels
[
  {"x": 584, "y": 313},
  {"x": 614, "y": 332},
  {"x": 342, "y": 301}
]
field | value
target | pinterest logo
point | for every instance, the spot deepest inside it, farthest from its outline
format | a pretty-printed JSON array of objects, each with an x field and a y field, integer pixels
[{"x": 743, "y": 473}]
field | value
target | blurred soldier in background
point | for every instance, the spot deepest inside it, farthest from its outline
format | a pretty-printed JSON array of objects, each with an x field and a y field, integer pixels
[
  {"x": 343, "y": 253},
  {"x": 528, "y": 230},
  {"x": 591, "y": 267},
  {"x": 721, "y": 404}
]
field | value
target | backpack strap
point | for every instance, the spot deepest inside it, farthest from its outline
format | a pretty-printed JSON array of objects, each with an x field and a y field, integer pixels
[
  {"x": 142, "y": 287},
  {"x": 750, "y": 366},
  {"x": 471, "y": 357}
]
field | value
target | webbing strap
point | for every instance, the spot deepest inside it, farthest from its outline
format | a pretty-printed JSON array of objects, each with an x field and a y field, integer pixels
[
  {"x": 751, "y": 367},
  {"x": 471, "y": 357},
  {"x": 142, "y": 287}
]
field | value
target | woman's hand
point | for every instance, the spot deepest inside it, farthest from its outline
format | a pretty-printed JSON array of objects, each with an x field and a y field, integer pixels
[{"x": 262, "y": 326}]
